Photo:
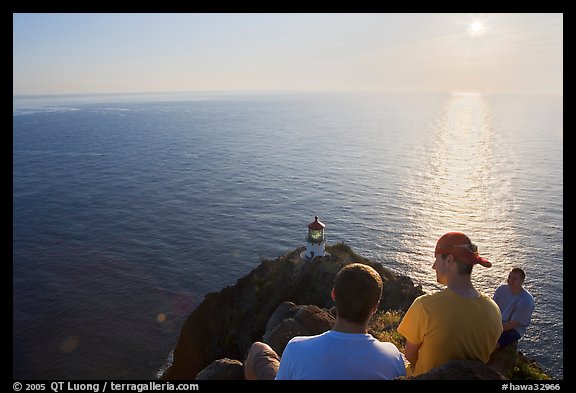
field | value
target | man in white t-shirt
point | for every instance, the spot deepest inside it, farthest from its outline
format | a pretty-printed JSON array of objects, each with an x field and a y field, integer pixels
[
  {"x": 347, "y": 351},
  {"x": 516, "y": 305}
]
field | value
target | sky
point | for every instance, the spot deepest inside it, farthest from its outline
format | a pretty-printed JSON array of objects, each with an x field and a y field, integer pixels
[{"x": 130, "y": 53}]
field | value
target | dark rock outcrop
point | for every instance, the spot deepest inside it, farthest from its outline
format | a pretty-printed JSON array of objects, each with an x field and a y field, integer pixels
[
  {"x": 222, "y": 369},
  {"x": 503, "y": 360},
  {"x": 226, "y": 323},
  {"x": 290, "y": 320},
  {"x": 461, "y": 370}
]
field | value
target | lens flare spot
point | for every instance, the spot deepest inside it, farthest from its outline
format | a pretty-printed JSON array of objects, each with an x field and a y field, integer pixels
[{"x": 69, "y": 344}]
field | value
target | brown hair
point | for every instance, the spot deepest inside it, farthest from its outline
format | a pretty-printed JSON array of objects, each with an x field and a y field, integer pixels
[
  {"x": 357, "y": 289},
  {"x": 518, "y": 270}
]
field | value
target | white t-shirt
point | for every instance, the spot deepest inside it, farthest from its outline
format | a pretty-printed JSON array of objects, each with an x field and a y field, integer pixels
[
  {"x": 337, "y": 355},
  {"x": 515, "y": 307}
]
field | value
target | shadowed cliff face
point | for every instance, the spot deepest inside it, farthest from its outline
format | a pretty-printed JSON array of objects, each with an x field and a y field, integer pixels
[{"x": 226, "y": 323}]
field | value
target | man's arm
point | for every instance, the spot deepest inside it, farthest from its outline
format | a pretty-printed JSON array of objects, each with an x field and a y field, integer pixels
[
  {"x": 510, "y": 325},
  {"x": 411, "y": 352},
  {"x": 521, "y": 315}
]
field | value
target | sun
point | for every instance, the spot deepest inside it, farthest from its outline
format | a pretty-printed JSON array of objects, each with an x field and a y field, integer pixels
[{"x": 476, "y": 28}]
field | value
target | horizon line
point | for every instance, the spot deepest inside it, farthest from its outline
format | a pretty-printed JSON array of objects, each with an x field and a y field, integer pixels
[{"x": 260, "y": 91}]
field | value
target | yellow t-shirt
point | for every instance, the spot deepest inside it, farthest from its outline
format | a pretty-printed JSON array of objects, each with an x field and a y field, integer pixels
[{"x": 450, "y": 326}]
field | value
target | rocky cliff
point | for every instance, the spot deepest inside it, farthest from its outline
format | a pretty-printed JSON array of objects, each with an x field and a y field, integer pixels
[
  {"x": 226, "y": 323},
  {"x": 285, "y": 297}
]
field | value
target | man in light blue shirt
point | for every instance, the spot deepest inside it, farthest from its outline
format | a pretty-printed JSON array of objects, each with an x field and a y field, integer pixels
[
  {"x": 516, "y": 305},
  {"x": 347, "y": 351}
]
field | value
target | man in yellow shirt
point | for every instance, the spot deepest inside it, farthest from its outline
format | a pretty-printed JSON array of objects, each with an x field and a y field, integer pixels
[{"x": 458, "y": 322}]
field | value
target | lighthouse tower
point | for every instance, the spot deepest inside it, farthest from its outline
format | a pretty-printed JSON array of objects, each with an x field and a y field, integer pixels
[{"x": 315, "y": 242}]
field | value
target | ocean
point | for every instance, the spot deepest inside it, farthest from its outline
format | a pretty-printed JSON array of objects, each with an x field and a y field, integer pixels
[{"x": 129, "y": 209}]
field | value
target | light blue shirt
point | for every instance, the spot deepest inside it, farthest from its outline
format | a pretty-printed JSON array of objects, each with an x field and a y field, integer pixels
[
  {"x": 337, "y": 355},
  {"x": 515, "y": 307}
]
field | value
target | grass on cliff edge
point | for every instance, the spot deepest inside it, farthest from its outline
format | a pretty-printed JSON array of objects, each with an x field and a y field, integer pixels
[
  {"x": 528, "y": 369},
  {"x": 383, "y": 327}
]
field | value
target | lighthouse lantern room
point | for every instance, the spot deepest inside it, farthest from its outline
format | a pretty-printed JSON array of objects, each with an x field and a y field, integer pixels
[{"x": 316, "y": 241}]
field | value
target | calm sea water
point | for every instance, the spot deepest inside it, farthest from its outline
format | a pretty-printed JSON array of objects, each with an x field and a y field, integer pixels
[{"x": 127, "y": 210}]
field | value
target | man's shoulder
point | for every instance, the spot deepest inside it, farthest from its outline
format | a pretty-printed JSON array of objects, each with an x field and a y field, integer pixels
[
  {"x": 429, "y": 300},
  {"x": 488, "y": 301},
  {"x": 303, "y": 340},
  {"x": 527, "y": 295},
  {"x": 387, "y": 346},
  {"x": 433, "y": 297}
]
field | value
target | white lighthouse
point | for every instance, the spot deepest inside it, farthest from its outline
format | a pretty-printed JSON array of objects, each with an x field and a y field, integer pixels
[{"x": 316, "y": 241}]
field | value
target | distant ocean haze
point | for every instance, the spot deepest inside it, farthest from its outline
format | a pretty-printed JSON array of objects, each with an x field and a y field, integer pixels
[{"x": 129, "y": 209}]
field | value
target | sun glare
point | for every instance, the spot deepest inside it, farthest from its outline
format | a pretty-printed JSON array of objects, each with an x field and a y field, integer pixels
[{"x": 476, "y": 28}]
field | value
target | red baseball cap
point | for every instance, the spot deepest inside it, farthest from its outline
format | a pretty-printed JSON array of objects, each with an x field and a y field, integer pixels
[{"x": 459, "y": 245}]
